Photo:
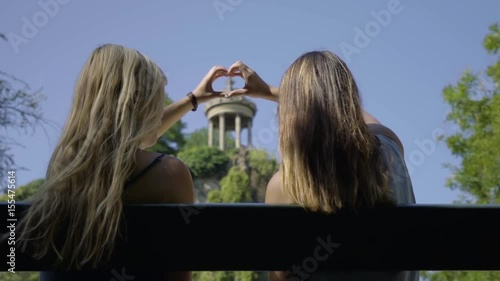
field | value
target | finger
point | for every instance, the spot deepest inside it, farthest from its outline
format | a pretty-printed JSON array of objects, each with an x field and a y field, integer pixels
[
  {"x": 216, "y": 70},
  {"x": 220, "y": 73},
  {"x": 234, "y": 93},
  {"x": 234, "y": 67},
  {"x": 211, "y": 81},
  {"x": 238, "y": 67},
  {"x": 236, "y": 74}
]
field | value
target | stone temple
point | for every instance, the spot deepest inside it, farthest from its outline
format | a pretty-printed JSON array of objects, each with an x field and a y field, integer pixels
[{"x": 230, "y": 115}]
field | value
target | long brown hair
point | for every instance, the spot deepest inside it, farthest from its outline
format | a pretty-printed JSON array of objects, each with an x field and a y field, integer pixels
[
  {"x": 117, "y": 103},
  {"x": 330, "y": 159}
]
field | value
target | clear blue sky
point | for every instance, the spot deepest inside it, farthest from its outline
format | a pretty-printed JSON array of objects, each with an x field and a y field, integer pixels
[{"x": 401, "y": 71}]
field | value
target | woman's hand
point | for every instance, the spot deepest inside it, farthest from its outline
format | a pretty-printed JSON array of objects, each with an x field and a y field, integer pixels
[
  {"x": 254, "y": 85},
  {"x": 204, "y": 91}
]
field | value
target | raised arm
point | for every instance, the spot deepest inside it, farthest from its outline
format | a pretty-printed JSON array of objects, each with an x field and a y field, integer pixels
[
  {"x": 202, "y": 93},
  {"x": 172, "y": 113},
  {"x": 254, "y": 85}
]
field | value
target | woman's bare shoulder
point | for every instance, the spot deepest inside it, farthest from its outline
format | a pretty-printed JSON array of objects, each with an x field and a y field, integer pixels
[{"x": 274, "y": 191}]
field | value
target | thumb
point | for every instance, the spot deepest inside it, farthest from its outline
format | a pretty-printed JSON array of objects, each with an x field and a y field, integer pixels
[{"x": 235, "y": 93}]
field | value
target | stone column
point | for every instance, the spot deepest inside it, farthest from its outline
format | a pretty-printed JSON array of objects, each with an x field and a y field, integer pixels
[
  {"x": 238, "y": 130},
  {"x": 222, "y": 131},
  {"x": 249, "y": 128},
  {"x": 210, "y": 132}
]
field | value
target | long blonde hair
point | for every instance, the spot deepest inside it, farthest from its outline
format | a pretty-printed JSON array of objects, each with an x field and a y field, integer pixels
[
  {"x": 330, "y": 159},
  {"x": 76, "y": 215}
]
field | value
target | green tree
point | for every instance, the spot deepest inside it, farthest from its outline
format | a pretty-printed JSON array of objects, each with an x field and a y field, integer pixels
[
  {"x": 200, "y": 138},
  {"x": 262, "y": 162},
  {"x": 24, "y": 192},
  {"x": 234, "y": 188},
  {"x": 262, "y": 168},
  {"x": 205, "y": 161},
  {"x": 20, "y": 110},
  {"x": 173, "y": 139},
  {"x": 239, "y": 186},
  {"x": 461, "y": 276},
  {"x": 19, "y": 276},
  {"x": 225, "y": 276},
  {"x": 475, "y": 108}
]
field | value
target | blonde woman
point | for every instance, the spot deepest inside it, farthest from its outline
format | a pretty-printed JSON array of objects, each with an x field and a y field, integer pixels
[
  {"x": 334, "y": 154},
  {"x": 100, "y": 163}
]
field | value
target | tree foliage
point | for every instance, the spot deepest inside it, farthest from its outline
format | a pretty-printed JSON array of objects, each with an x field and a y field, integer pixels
[
  {"x": 225, "y": 276},
  {"x": 25, "y": 192},
  {"x": 262, "y": 168},
  {"x": 200, "y": 138},
  {"x": 234, "y": 188},
  {"x": 20, "y": 110},
  {"x": 475, "y": 108},
  {"x": 238, "y": 187},
  {"x": 461, "y": 276},
  {"x": 20, "y": 276},
  {"x": 260, "y": 161},
  {"x": 173, "y": 139},
  {"x": 205, "y": 161}
]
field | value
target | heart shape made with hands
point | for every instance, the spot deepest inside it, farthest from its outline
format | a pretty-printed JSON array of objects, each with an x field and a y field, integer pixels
[{"x": 218, "y": 87}]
